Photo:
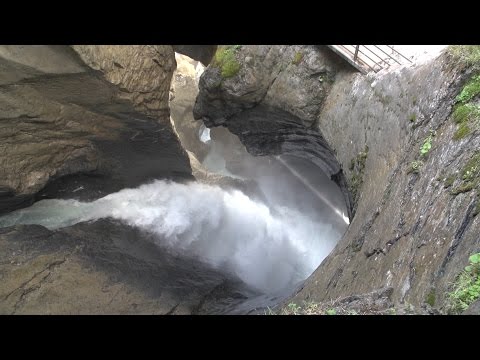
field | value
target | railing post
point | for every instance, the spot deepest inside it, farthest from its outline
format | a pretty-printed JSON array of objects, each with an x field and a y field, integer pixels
[{"x": 356, "y": 53}]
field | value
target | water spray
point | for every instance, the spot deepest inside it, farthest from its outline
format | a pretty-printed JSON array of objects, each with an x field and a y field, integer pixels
[{"x": 313, "y": 190}]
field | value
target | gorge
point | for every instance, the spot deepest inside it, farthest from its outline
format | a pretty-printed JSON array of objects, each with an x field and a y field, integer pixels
[{"x": 245, "y": 179}]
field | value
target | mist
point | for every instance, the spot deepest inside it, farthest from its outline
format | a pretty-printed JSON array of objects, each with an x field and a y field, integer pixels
[{"x": 268, "y": 250}]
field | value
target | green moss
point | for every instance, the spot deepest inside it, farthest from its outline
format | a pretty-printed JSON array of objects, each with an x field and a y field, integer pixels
[
  {"x": 470, "y": 90},
  {"x": 471, "y": 170},
  {"x": 430, "y": 300},
  {"x": 466, "y": 112},
  {"x": 412, "y": 118},
  {"x": 448, "y": 181},
  {"x": 225, "y": 59},
  {"x": 462, "y": 131},
  {"x": 470, "y": 175},
  {"x": 468, "y": 54},
  {"x": 463, "y": 188},
  {"x": 357, "y": 166},
  {"x": 352, "y": 164},
  {"x": 297, "y": 59}
]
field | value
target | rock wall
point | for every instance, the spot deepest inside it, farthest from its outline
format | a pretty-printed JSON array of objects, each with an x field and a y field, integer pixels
[
  {"x": 95, "y": 113},
  {"x": 413, "y": 230},
  {"x": 273, "y": 101},
  {"x": 104, "y": 267},
  {"x": 415, "y": 222}
]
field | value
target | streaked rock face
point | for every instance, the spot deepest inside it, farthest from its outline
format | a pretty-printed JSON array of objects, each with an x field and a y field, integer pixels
[
  {"x": 409, "y": 230},
  {"x": 99, "y": 112}
]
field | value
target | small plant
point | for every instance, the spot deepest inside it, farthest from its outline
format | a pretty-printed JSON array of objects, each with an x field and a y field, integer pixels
[
  {"x": 468, "y": 54},
  {"x": 470, "y": 90},
  {"x": 466, "y": 288},
  {"x": 294, "y": 308},
  {"x": 415, "y": 167},
  {"x": 331, "y": 312},
  {"x": 412, "y": 118},
  {"x": 427, "y": 144}
]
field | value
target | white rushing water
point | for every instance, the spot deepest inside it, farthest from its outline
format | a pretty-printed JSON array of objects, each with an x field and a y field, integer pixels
[{"x": 267, "y": 250}]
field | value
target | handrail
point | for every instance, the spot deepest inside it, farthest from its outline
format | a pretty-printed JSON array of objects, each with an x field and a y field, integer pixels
[
  {"x": 391, "y": 47},
  {"x": 379, "y": 48},
  {"x": 365, "y": 57}
]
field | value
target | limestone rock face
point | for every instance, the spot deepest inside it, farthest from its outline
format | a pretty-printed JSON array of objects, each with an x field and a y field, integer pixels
[
  {"x": 102, "y": 268},
  {"x": 272, "y": 103},
  {"x": 412, "y": 229},
  {"x": 99, "y": 113},
  {"x": 141, "y": 72},
  {"x": 416, "y": 220}
]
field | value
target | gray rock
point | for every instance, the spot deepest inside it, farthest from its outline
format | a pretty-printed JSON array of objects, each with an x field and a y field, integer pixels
[
  {"x": 409, "y": 232},
  {"x": 93, "y": 113},
  {"x": 473, "y": 309},
  {"x": 273, "y": 101},
  {"x": 104, "y": 267}
]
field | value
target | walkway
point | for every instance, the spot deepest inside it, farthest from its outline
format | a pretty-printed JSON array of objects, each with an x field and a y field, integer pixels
[{"x": 366, "y": 58}]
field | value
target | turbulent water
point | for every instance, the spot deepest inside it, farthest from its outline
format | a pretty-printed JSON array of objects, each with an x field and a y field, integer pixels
[{"x": 268, "y": 250}]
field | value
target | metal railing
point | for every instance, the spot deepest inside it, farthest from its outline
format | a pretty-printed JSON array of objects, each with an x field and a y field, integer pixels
[{"x": 371, "y": 57}]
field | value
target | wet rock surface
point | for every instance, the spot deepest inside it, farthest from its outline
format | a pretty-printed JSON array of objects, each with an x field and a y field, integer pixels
[
  {"x": 415, "y": 222},
  {"x": 273, "y": 102},
  {"x": 105, "y": 267},
  {"x": 84, "y": 121},
  {"x": 410, "y": 230}
]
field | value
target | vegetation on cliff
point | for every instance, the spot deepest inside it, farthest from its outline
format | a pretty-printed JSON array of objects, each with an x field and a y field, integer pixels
[
  {"x": 466, "y": 288},
  {"x": 225, "y": 60},
  {"x": 466, "y": 112}
]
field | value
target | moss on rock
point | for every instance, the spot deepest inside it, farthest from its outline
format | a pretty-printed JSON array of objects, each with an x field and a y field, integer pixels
[{"x": 226, "y": 60}]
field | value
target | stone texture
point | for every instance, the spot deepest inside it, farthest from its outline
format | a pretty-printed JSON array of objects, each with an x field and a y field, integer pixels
[
  {"x": 142, "y": 72},
  {"x": 103, "y": 119},
  {"x": 102, "y": 268},
  {"x": 273, "y": 102},
  {"x": 409, "y": 232}
]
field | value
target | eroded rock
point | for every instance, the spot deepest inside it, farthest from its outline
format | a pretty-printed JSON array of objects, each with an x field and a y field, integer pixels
[
  {"x": 96, "y": 112},
  {"x": 104, "y": 267}
]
